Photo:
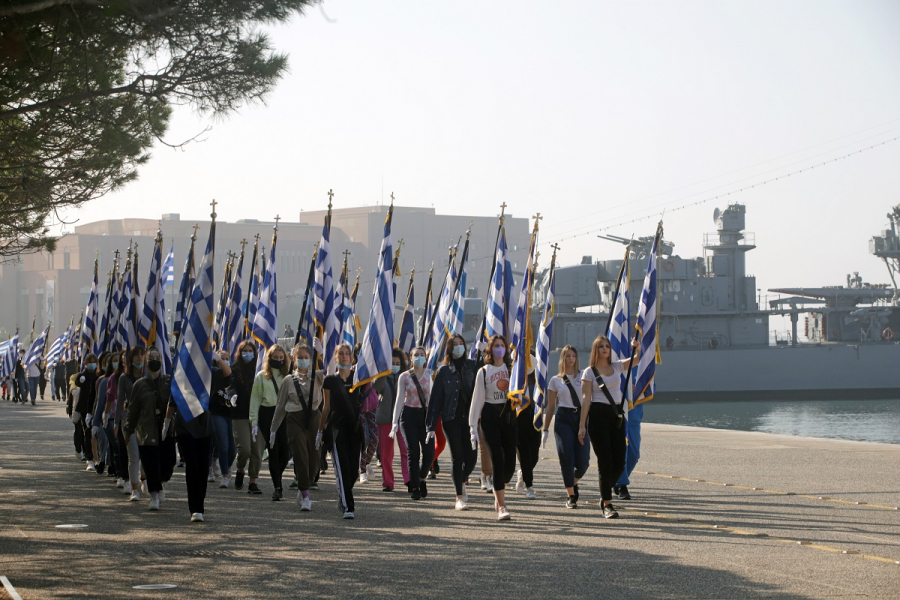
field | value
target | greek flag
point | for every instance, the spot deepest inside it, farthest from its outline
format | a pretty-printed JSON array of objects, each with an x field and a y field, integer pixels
[
  {"x": 542, "y": 350},
  {"x": 521, "y": 344},
  {"x": 184, "y": 292},
  {"x": 8, "y": 366},
  {"x": 193, "y": 368},
  {"x": 253, "y": 300},
  {"x": 232, "y": 337},
  {"x": 350, "y": 328},
  {"x": 620, "y": 321},
  {"x": 103, "y": 334},
  {"x": 496, "y": 314},
  {"x": 644, "y": 379},
  {"x": 36, "y": 351},
  {"x": 168, "y": 271},
  {"x": 439, "y": 332},
  {"x": 131, "y": 310},
  {"x": 407, "y": 339},
  {"x": 89, "y": 328},
  {"x": 378, "y": 341},
  {"x": 219, "y": 321},
  {"x": 424, "y": 336},
  {"x": 57, "y": 347},
  {"x": 265, "y": 322},
  {"x": 323, "y": 300},
  {"x": 152, "y": 295},
  {"x": 457, "y": 313},
  {"x": 113, "y": 343},
  {"x": 340, "y": 293},
  {"x": 4, "y": 347}
]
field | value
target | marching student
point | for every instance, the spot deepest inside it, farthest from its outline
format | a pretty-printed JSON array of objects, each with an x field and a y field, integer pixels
[
  {"x": 369, "y": 425},
  {"x": 300, "y": 407},
  {"x": 248, "y": 448},
  {"x": 220, "y": 416},
  {"x": 384, "y": 416},
  {"x": 451, "y": 399},
  {"x": 144, "y": 417},
  {"x": 528, "y": 439},
  {"x": 342, "y": 417},
  {"x": 100, "y": 445},
  {"x": 128, "y": 446},
  {"x": 601, "y": 389},
  {"x": 86, "y": 382},
  {"x": 194, "y": 439},
  {"x": 413, "y": 391},
  {"x": 564, "y": 404},
  {"x": 119, "y": 458},
  {"x": 263, "y": 398},
  {"x": 492, "y": 407}
]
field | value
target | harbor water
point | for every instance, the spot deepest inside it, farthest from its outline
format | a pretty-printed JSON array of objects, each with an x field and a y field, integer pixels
[{"x": 857, "y": 420}]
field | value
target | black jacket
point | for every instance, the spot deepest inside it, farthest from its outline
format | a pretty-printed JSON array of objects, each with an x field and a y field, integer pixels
[{"x": 451, "y": 392}]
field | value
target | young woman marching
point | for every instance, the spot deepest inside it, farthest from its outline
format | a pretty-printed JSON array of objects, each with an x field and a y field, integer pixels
[
  {"x": 144, "y": 419},
  {"x": 220, "y": 416},
  {"x": 384, "y": 416},
  {"x": 263, "y": 399},
  {"x": 300, "y": 407},
  {"x": 498, "y": 419},
  {"x": 564, "y": 397},
  {"x": 194, "y": 438},
  {"x": 248, "y": 449},
  {"x": 528, "y": 439},
  {"x": 117, "y": 451},
  {"x": 342, "y": 416},
  {"x": 413, "y": 391},
  {"x": 128, "y": 445},
  {"x": 451, "y": 399},
  {"x": 601, "y": 389},
  {"x": 369, "y": 424},
  {"x": 87, "y": 394},
  {"x": 99, "y": 443}
]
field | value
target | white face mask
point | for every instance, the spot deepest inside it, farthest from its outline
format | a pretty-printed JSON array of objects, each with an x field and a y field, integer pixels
[{"x": 458, "y": 351}]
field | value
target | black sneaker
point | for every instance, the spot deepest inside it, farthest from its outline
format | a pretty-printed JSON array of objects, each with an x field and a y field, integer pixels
[
  {"x": 277, "y": 495},
  {"x": 572, "y": 502},
  {"x": 576, "y": 492},
  {"x": 436, "y": 468},
  {"x": 423, "y": 489},
  {"x": 253, "y": 489},
  {"x": 239, "y": 480},
  {"x": 416, "y": 495},
  {"x": 623, "y": 493},
  {"x": 101, "y": 467},
  {"x": 293, "y": 485},
  {"x": 387, "y": 488},
  {"x": 432, "y": 475},
  {"x": 616, "y": 490},
  {"x": 609, "y": 512}
]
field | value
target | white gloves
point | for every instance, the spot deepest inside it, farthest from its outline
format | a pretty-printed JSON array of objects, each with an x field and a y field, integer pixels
[
  {"x": 234, "y": 400},
  {"x": 393, "y": 433},
  {"x": 544, "y": 435},
  {"x": 474, "y": 438},
  {"x": 319, "y": 439},
  {"x": 272, "y": 440},
  {"x": 429, "y": 436},
  {"x": 81, "y": 379},
  {"x": 254, "y": 430},
  {"x": 167, "y": 424},
  {"x": 88, "y": 419}
]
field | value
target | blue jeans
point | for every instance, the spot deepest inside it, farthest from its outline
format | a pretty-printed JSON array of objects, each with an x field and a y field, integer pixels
[
  {"x": 574, "y": 458},
  {"x": 33, "y": 387},
  {"x": 633, "y": 450},
  {"x": 223, "y": 438}
]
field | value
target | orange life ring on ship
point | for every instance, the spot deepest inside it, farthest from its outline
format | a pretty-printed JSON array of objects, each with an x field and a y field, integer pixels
[
  {"x": 669, "y": 266},
  {"x": 887, "y": 334}
]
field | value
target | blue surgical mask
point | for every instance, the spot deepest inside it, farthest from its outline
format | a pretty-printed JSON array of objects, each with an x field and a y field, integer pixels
[
  {"x": 247, "y": 356},
  {"x": 395, "y": 369},
  {"x": 115, "y": 365},
  {"x": 303, "y": 363},
  {"x": 458, "y": 351},
  {"x": 344, "y": 366},
  {"x": 138, "y": 366},
  {"x": 91, "y": 366},
  {"x": 419, "y": 361}
]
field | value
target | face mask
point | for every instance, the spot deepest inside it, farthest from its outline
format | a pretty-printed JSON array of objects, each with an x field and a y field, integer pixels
[
  {"x": 247, "y": 356},
  {"x": 276, "y": 364},
  {"x": 344, "y": 366},
  {"x": 458, "y": 351},
  {"x": 154, "y": 365},
  {"x": 395, "y": 369},
  {"x": 498, "y": 351},
  {"x": 303, "y": 363},
  {"x": 419, "y": 361},
  {"x": 115, "y": 365},
  {"x": 137, "y": 366},
  {"x": 91, "y": 366}
]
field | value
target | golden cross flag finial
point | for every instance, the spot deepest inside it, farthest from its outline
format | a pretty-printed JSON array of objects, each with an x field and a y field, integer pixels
[
  {"x": 392, "y": 198},
  {"x": 194, "y": 235},
  {"x": 243, "y": 243},
  {"x": 277, "y": 218},
  {"x": 257, "y": 238},
  {"x": 213, "y": 204},
  {"x": 330, "y": 198},
  {"x": 555, "y": 247},
  {"x": 502, "y": 209}
]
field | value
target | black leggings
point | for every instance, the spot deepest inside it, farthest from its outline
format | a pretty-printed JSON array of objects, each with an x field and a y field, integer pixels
[
  {"x": 419, "y": 454},
  {"x": 195, "y": 452},
  {"x": 608, "y": 439},
  {"x": 528, "y": 443},
  {"x": 463, "y": 455},
  {"x": 498, "y": 421},
  {"x": 279, "y": 454},
  {"x": 158, "y": 463},
  {"x": 345, "y": 448}
]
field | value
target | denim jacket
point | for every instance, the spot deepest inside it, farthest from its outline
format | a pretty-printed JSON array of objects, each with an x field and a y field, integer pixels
[{"x": 445, "y": 401}]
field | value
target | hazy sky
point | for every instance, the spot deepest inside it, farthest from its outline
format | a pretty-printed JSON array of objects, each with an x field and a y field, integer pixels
[{"x": 591, "y": 113}]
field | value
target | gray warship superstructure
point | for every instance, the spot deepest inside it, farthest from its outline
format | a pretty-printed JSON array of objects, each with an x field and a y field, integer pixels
[{"x": 716, "y": 340}]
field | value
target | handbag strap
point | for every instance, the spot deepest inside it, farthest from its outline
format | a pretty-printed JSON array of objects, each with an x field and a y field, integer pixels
[
  {"x": 422, "y": 399},
  {"x": 605, "y": 390},
  {"x": 575, "y": 399}
]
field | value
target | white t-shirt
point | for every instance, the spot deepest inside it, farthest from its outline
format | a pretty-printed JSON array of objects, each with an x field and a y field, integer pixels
[
  {"x": 563, "y": 395},
  {"x": 491, "y": 386},
  {"x": 613, "y": 384}
]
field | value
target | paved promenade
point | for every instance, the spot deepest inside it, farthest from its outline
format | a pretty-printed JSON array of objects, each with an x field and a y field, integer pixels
[{"x": 715, "y": 514}]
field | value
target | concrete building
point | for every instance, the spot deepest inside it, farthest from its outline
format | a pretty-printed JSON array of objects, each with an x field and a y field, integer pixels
[{"x": 54, "y": 287}]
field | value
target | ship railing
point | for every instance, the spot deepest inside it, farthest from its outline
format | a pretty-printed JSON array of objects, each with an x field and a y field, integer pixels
[{"x": 747, "y": 238}]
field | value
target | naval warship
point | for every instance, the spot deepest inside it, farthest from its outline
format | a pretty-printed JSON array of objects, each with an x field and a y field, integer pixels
[{"x": 716, "y": 340}]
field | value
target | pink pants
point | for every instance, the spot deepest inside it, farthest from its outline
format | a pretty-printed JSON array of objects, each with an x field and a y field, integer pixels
[{"x": 386, "y": 448}]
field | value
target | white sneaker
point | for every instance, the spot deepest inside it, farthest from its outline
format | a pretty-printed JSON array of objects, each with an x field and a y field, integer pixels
[
  {"x": 461, "y": 504},
  {"x": 120, "y": 483},
  {"x": 226, "y": 481},
  {"x": 529, "y": 494},
  {"x": 80, "y": 455},
  {"x": 371, "y": 470},
  {"x": 162, "y": 494},
  {"x": 135, "y": 496},
  {"x": 349, "y": 515},
  {"x": 197, "y": 518},
  {"x": 364, "y": 478},
  {"x": 290, "y": 463},
  {"x": 144, "y": 488},
  {"x": 490, "y": 483},
  {"x": 503, "y": 514},
  {"x": 154, "y": 504},
  {"x": 217, "y": 470},
  {"x": 484, "y": 482},
  {"x": 306, "y": 505},
  {"x": 465, "y": 494},
  {"x": 212, "y": 476},
  {"x": 520, "y": 483},
  {"x": 90, "y": 466}
]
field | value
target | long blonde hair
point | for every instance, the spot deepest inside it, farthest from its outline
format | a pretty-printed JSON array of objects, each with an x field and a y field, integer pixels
[
  {"x": 285, "y": 368},
  {"x": 595, "y": 350},
  {"x": 562, "y": 359}
]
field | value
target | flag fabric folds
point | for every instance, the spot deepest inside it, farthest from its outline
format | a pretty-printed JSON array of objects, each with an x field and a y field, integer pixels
[
  {"x": 184, "y": 292},
  {"x": 55, "y": 354},
  {"x": 456, "y": 313},
  {"x": 168, "y": 270},
  {"x": 36, "y": 350},
  {"x": 265, "y": 322},
  {"x": 89, "y": 327},
  {"x": 193, "y": 369},
  {"x": 8, "y": 366},
  {"x": 442, "y": 314},
  {"x": 521, "y": 339},
  {"x": 542, "y": 349},
  {"x": 235, "y": 319},
  {"x": 378, "y": 341},
  {"x": 152, "y": 326},
  {"x": 619, "y": 332},
  {"x": 323, "y": 300},
  {"x": 406, "y": 341},
  {"x": 644, "y": 379}
]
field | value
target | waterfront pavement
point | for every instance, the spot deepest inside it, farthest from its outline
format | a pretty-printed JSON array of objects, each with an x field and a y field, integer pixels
[{"x": 767, "y": 534}]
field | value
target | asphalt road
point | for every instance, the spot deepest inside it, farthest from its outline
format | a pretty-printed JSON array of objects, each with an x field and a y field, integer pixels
[{"x": 678, "y": 538}]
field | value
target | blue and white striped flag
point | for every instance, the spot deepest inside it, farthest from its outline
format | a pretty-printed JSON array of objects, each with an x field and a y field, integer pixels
[
  {"x": 619, "y": 333},
  {"x": 252, "y": 300},
  {"x": 265, "y": 323},
  {"x": 375, "y": 355},
  {"x": 55, "y": 354},
  {"x": 542, "y": 349},
  {"x": 521, "y": 342},
  {"x": 424, "y": 331},
  {"x": 645, "y": 377},
  {"x": 89, "y": 328},
  {"x": 4, "y": 346},
  {"x": 184, "y": 292},
  {"x": 131, "y": 309},
  {"x": 103, "y": 337},
  {"x": 36, "y": 351},
  {"x": 192, "y": 380},
  {"x": 442, "y": 314},
  {"x": 407, "y": 338},
  {"x": 8, "y": 366},
  {"x": 152, "y": 294},
  {"x": 323, "y": 300},
  {"x": 350, "y": 328},
  {"x": 497, "y": 311},
  {"x": 168, "y": 270},
  {"x": 457, "y": 314},
  {"x": 233, "y": 328},
  {"x": 340, "y": 294}
]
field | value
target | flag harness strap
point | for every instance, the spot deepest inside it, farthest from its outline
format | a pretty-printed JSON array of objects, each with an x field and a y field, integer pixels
[
  {"x": 574, "y": 394},
  {"x": 616, "y": 407},
  {"x": 307, "y": 406},
  {"x": 422, "y": 400}
]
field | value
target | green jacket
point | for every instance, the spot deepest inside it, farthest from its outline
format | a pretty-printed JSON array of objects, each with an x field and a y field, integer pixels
[{"x": 147, "y": 408}]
